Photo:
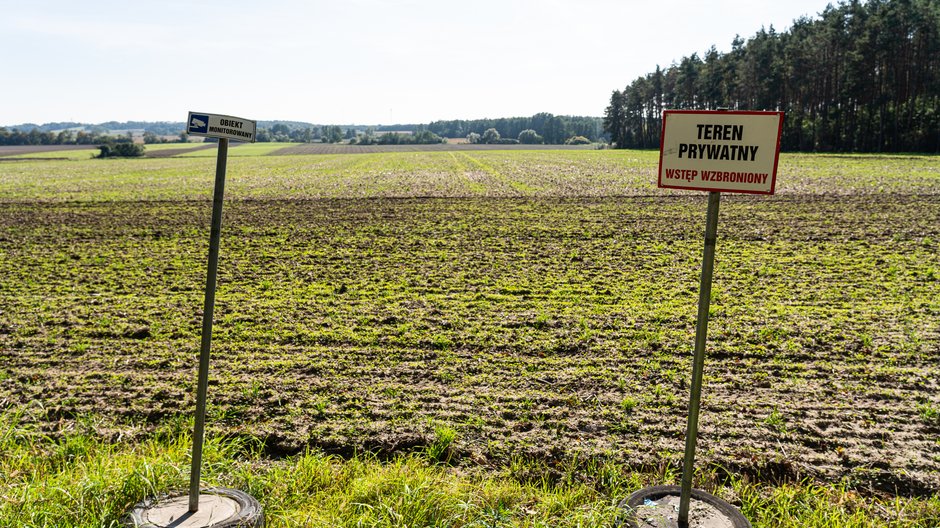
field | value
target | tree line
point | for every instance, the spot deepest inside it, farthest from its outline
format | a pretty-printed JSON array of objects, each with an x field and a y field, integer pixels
[
  {"x": 550, "y": 128},
  {"x": 539, "y": 128},
  {"x": 64, "y": 137},
  {"x": 862, "y": 77}
]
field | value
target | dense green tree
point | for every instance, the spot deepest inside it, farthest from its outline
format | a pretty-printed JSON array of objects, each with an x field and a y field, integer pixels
[
  {"x": 120, "y": 150},
  {"x": 577, "y": 140},
  {"x": 426, "y": 137},
  {"x": 530, "y": 137},
  {"x": 862, "y": 76},
  {"x": 615, "y": 118},
  {"x": 331, "y": 134},
  {"x": 553, "y": 129},
  {"x": 490, "y": 136},
  {"x": 66, "y": 137},
  {"x": 35, "y": 136},
  {"x": 423, "y": 137}
]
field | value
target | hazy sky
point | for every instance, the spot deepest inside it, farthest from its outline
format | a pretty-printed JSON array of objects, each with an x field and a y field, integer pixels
[{"x": 350, "y": 61}]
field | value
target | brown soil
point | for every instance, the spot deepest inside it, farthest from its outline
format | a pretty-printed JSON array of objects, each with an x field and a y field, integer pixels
[{"x": 555, "y": 329}]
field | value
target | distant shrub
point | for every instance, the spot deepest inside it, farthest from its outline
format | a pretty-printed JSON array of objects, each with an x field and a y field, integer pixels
[
  {"x": 577, "y": 140},
  {"x": 426, "y": 137},
  {"x": 150, "y": 138},
  {"x": 391, "y": 138},
  {"x": 507, "y": 141},
  {"x": 364, "y": 138},
  {"x": 490, "y": 136},
  {"x": 530, "y": 137},
  {"x": 120, "y": 150}
]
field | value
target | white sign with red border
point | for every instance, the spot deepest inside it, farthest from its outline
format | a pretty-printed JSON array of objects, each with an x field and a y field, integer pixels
[{"x": 720, "y": 151}]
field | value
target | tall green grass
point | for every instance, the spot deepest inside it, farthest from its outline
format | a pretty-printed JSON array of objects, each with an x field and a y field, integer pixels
[{"x": 72, "y": 478}]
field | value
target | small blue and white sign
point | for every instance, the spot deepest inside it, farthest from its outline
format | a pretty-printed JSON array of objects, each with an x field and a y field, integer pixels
[
  {"x": 198, "y": 124},
  {"x": 221, "y": 126}
]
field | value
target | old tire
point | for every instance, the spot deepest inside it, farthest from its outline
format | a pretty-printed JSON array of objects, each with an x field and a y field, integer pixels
[{"x": 654, "y": 493}]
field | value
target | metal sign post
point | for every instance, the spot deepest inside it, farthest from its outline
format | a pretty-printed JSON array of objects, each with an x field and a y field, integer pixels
[
  {"x": 698, "y": 365},
  {"x": 220, "y": 506},
  {"x": 215, "y": 236},
  {"x": 714, "y": 151},
  {"x": 223, "y": 127}
]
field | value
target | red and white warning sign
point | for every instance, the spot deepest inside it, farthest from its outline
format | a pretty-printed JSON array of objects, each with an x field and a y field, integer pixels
[{"x": 720, "y": 151}]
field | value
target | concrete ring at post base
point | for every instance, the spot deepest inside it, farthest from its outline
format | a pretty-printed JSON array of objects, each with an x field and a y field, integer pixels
[
  {"x": 657, "y": 507},
  {"x": 240, "y": 510}
]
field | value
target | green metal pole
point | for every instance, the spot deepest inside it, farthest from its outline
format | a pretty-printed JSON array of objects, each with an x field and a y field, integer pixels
[
  {"x": 208, "y": 308},
  {"x": 701, "y": 331}
]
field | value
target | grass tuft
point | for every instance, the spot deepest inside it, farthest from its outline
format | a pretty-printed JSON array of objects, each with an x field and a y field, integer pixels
[{"x": 76, "y": 479}]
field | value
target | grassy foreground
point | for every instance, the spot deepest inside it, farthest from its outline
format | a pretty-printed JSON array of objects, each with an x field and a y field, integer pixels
[{"x": 79, "y": 480}]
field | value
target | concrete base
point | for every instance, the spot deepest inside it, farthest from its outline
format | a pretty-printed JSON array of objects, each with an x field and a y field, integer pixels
[
  {"x": 218, "y": 508},
  {"x": 658, "y": 507},
  {"x": 174, "y": 512},
  {"x": 664, "y": 513}
]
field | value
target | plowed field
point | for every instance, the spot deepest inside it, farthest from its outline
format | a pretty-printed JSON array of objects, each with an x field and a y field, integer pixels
[
  {"x": 326, "y": 148},
  {"x": 551, "y": 320},
  {"x": 19, "y": 150}
]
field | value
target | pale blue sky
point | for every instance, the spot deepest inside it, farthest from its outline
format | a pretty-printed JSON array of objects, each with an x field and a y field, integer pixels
[{"x": 352, "y": 61}]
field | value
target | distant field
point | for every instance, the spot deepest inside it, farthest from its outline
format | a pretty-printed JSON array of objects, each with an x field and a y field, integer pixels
[
  {"x": 47, "y": 151},
  {"x": 166, "y": 150},
  {"x": 498, "y": 173},
  {"x": 70, "y": 154},
  {"x": 239, "y": 149},
  {"x": 459, "y": 145},
  {"x": 162, "y": 150},
  {"x": 538, "y": 304},
  {"x": 161, "y": 147}
]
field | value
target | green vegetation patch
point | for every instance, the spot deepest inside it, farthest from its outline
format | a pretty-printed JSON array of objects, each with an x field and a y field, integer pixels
[
  {"x": 240, "y": 149},
  {"x": 523, "y": 325},
  {"x": 70, "y": 154},
  {"x": 75, "y": 479},
  {"x": 497, "y": 173},
  {"x": 414, "y": 305},
  {"x": 158, "y": 147}
]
